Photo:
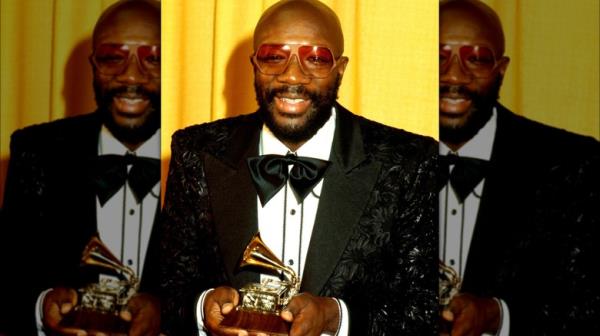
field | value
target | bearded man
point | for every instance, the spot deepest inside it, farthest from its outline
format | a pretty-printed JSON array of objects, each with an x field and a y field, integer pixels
[
  {"x": 95, "y": 175},
  {"x": 518, "y": 212},
  {"x": 354, "y": 220}
]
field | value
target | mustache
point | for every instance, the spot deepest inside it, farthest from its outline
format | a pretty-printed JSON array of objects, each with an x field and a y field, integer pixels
[
  {"x": 298, "y": 90},
  {"x": 137, "y": 90},
  {"x": 457, "y": 90}
]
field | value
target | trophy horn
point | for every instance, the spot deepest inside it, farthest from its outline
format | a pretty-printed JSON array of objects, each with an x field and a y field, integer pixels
[
  {"x": 96, "y": 253},
  {"x": 258, "y": 254}
]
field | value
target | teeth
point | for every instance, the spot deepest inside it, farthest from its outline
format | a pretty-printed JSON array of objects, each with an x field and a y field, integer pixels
[
  {"x": 132, "y": 100},
  {"x": 292, "y": 101},
  {"x": 459, "y": 100}
]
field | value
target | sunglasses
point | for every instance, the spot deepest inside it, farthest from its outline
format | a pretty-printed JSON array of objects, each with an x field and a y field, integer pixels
[
  {"x": 479, "y": 61},
  {"x": 113, "y": 59},
  {"x": 314, "y": 61}
]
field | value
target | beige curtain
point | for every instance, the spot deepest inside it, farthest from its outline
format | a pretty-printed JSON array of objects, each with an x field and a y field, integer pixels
[{"x": 553, "y": 76}]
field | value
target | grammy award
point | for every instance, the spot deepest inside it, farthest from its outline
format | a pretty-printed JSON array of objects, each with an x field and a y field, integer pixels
[
  {"x": 449, "y": 286},
  {"x": 449, "y": 283},
  {"x": 100, "y": 303},
  {"x": 262, "y": 302}
]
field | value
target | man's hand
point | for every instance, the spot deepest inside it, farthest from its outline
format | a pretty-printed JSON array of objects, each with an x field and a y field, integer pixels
[
  {"x": 143, "y": 311},
  {"x": 472, "y": 315},
  {"x": 58, "y": 302},
  {"x": 218, "y": 303},
  {"x": 312, "y": 315}
]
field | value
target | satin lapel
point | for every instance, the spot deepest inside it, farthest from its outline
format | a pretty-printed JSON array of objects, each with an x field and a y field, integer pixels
[
  {"x": 346, "y": 190},
  {"x": 233, "y": 198},
  {"x": 87, "y": 141}
]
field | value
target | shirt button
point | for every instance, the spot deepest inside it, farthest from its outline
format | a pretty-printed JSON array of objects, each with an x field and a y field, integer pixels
[
  {"x": 451, "y": 262},
  {"x": 293, "y": 212},
  {"x": 291, "y": 262},
  {"x": 453, "y": 211},
  {"x": 129, "y": 262},
  {"x": 131, "y": 211}
]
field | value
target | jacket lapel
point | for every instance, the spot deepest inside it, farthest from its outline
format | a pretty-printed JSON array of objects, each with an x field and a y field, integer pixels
[
  {"x": 87, "y": 141},
  {"x": 233, "y": 197},
  {"x": 346, "y": 190},
  {"x": 490, "y": 227}
]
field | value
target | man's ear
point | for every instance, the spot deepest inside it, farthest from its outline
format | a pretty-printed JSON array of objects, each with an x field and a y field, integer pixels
[
  {"x": 341, "y": 66},
  {"x": 504, "y": 61}
]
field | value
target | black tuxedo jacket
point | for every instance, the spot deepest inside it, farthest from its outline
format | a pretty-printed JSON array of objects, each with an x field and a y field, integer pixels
[
  {"x": 374, "y": 242},
  {"x": 536, "y": 230},
  {"x": 49, "y": 212}
]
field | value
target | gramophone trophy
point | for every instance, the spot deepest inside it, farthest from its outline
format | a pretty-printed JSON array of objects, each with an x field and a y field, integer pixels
[
  {"x": 449, "y": 286},
  {"x": 100, "y": 303},
  {"x": 262, "y": 302}
]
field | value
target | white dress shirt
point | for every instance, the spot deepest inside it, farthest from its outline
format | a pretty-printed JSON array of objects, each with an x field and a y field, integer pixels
[
  {"x": 124, "y": 225},
  {"x": 457, "y": 221},
  {"x": 284, "y": 224}
]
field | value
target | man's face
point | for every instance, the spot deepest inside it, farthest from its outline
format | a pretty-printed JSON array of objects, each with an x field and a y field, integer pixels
[
  {"x": 295, "y": 104},
  {"x": 130, "y": 97},
  {"x": 466, "y": 97}
]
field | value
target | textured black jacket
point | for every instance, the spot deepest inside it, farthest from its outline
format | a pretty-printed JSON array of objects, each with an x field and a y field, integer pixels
[{"x": 374, "y": 243}]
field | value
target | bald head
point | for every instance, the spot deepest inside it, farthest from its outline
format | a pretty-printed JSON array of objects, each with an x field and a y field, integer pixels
[
  {"x": 128, "y": 13},
  {"x": 301, "y": 22},
  {"x": 473, "y": 22}
]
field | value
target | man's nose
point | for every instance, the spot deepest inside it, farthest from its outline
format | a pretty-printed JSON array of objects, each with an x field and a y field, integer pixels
[
  {"x": 454, "y": 73},
  {"x": 293, "y": 73},
  {"x": 133, "y": 72}
]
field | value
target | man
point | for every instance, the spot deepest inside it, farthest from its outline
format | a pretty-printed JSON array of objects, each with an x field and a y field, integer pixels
[
  {"x": 70, "y": 180},
  {"x": 360, "y": 236},
  {"x": 517, "y": 215}
]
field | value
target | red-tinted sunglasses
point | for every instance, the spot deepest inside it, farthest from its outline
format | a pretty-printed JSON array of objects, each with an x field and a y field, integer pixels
[
  {"x": 480, "y": 61},
  {"x": 315, "y": 61},
  {"x": 112, "y": 58}
]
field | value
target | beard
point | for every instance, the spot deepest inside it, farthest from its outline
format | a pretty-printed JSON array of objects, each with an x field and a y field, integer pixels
[
  {"x": 316, "y": 116},
  {"x": 134, "y": 134},
  {"x": 479, "y": 114}
]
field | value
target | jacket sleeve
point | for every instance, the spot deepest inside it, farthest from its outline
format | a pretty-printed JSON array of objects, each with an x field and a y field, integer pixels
[
  {"x": 23, "y": 196},
  {"x": 189, "y": 256}
]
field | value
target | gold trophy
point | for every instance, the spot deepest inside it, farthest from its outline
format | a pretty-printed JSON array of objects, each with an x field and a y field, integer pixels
[
  {"x": 100, "y": 303},
  {"x": 449, "y": 286},
  {"x": 262, "y": 302}
]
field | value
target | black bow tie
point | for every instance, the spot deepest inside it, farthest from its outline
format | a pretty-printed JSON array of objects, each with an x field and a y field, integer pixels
[
  {"x": 465, "y": 176},
  {"x": 111, "y": 174},
  {"x": 270, "y": 173}
]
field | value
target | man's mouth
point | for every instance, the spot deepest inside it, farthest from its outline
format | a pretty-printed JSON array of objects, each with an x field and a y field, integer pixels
[
  {"x": 292, "y": 104},
  {"x": 453, "y": 103},
  {"x": 131, "y": 104}
]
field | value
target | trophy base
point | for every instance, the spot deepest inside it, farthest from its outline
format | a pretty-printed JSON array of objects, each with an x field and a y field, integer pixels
[
  {"x": 93, "y": 320},
  {"x": 257, "y": 322}
]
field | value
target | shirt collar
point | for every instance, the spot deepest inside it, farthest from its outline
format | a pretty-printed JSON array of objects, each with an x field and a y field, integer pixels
[
  {"x": 108, "y": 144},
  {"x": 479, "y": 146},
  {"x": 319, "y": 146}
]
